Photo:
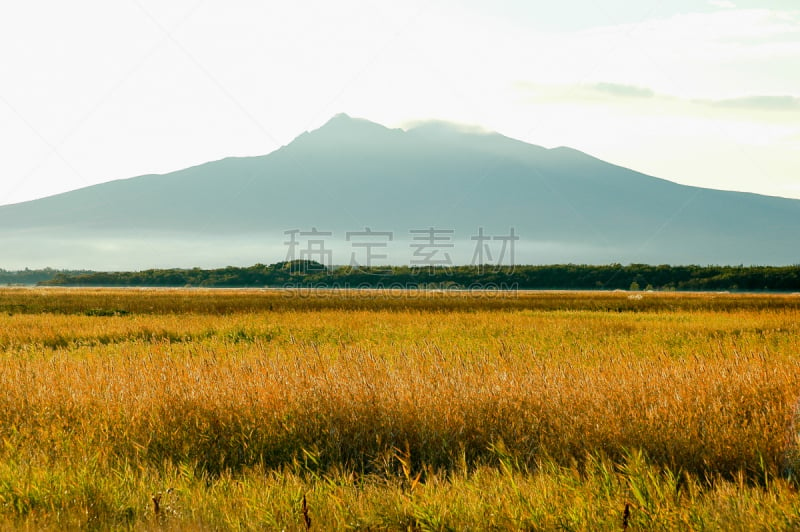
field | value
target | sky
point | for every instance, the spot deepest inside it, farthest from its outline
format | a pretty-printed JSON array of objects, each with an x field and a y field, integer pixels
[{"x": 701, "y": 92}]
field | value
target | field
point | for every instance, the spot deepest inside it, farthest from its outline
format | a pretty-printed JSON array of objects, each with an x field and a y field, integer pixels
[{"x": 269, "y": 409}]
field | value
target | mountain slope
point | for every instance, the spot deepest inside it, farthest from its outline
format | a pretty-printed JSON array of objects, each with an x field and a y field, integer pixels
[{"x": 350, "y": 174}]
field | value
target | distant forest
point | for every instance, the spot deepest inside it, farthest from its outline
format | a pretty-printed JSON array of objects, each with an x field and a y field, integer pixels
[
  {"x": 310, "y": 274},
  {"x": 29, "y": 277}
]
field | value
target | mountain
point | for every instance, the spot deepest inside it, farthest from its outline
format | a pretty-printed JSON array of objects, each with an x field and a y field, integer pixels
[{"x": 564, "y": 205}]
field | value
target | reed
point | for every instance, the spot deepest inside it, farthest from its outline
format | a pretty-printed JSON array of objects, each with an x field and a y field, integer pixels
[{"x": 196, "y": 411}]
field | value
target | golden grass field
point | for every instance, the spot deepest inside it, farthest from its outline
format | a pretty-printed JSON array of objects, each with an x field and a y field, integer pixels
[{"x": 226, "y": 409}]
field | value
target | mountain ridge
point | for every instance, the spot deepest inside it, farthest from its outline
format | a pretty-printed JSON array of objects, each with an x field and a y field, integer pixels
[{"x": 352, "y": 173}]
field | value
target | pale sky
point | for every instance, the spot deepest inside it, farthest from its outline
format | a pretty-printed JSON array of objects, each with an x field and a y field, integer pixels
[{"x": 702, "y": 92}]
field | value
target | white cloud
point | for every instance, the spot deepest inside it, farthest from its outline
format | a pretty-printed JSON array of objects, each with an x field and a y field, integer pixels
[{"x": 784, "y": 103}]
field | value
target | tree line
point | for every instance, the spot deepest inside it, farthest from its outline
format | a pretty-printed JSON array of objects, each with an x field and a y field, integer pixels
[{"x": 307, "y": 274}]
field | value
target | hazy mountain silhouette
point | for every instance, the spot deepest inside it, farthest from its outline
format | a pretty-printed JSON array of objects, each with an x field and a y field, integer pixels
[{"x": 351, "y": 173}]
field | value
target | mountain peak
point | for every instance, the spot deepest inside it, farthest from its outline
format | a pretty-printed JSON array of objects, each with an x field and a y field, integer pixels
[
  {"x": 339, "y": 118},
  {"x": 343, "y": 128},
  {"x": 343, "y": 120}
]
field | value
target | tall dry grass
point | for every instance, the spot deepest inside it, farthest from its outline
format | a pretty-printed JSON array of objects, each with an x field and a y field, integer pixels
[
  {"x": 704, "y": 392},
  {"x": 397, "y": 393}
]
